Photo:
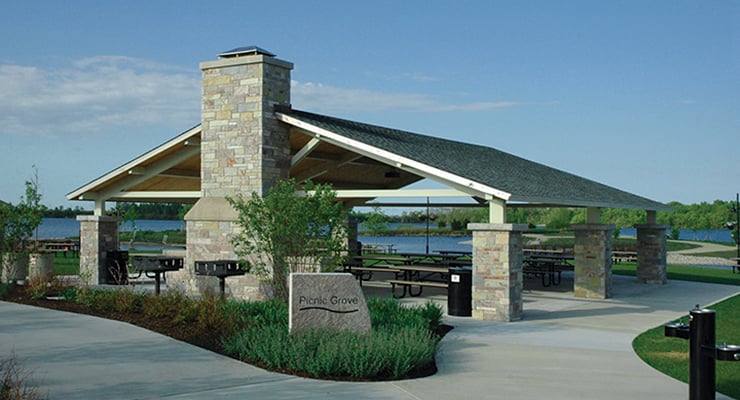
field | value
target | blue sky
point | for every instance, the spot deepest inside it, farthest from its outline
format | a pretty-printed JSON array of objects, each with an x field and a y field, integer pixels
[{"x": 640, "y": 95}]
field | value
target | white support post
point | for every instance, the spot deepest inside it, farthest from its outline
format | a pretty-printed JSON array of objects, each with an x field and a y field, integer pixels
[
  {"x": 497, "y": 211},
  {"x": 593, "y": 215},
  {"x": 652, "y": 217},
  {"x": 99, "y": 209}
]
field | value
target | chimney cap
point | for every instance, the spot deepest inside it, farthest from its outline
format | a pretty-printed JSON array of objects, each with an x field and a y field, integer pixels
[{"x": 245, "y": 51}]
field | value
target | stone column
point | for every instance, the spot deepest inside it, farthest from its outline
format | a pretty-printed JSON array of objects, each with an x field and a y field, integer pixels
[
  {"x": 497, "y": 271},
  {"x": 593, "y": 259},
  {"x": 244, "y": 149},
  {"x": 98, "y": 235},
  {"x": 652, "y": 266}
]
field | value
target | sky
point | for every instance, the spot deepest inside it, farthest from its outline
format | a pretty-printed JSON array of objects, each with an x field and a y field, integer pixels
[{"x": 640, "y": 95}]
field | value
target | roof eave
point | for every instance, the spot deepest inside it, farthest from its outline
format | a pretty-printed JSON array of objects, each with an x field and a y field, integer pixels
[
  {"x": 78, "y": 194},
  {"x": 382, "y": 155}
]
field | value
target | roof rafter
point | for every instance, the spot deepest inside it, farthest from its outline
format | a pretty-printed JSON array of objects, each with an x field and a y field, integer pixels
[{"x": 151, "y": 170}]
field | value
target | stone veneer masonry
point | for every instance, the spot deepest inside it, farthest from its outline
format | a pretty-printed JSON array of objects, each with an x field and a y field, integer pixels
[
  {"x": 651, "y": 254},
  {"x": 244, "y": 149},
  {"x": 98, "y": 235},
  {"x": 593, "y": 261},
  {"x": 497, "y": 271}
]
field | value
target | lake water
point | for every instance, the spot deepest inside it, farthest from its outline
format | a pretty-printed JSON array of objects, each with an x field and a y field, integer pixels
[{"x": 58, "y": 228}]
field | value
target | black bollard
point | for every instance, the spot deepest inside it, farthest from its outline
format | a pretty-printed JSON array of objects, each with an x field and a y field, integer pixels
[{"x": 702, "y": 351}]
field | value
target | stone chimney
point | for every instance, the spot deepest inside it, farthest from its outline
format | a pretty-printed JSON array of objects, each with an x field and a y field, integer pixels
[{"x": 244, "y": 149}]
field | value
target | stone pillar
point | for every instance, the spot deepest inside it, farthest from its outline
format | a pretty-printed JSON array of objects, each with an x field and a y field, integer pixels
[
  {"x": 497, "y": 271},
  {"x": 98, "y": 235},
  {"x": 651, "y": 254},
  {"x": 40, "y": 265},
  {"x": 593, "y": 259},
  {"x": 244, "y": 149}
]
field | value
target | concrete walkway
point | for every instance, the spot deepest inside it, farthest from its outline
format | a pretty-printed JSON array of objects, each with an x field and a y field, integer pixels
[{"x": 565, "y": 348}]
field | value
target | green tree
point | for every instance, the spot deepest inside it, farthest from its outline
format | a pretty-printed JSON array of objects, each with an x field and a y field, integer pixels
[
  {"x": 376, "y": 221},
  {"x": 558, "y": 218},
  {"x": 18, "y": 224},
  {"x": 285, "y": 232}
]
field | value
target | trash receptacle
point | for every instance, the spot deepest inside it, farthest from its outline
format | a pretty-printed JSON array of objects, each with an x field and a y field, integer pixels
[
  {"x": 459, "y": 292},
  {"x": 116, "y": 268}
]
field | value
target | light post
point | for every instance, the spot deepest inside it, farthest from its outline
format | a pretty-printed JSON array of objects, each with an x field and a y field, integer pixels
[
  {"x": 427, "y": 218},
  {"x": 736, "y": 226},
  {"x": 736, "y": 209}
]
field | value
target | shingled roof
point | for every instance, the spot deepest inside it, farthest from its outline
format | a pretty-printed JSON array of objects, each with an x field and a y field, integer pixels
[{"x": 506, "y": 176}]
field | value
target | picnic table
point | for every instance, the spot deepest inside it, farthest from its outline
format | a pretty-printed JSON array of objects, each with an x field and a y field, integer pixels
[
  {"x": 454, "y": 254},
  {"x": 154, "y": 266},
  {"x": 61, "y": 247},
  {"x": 547, "y": 266},
  {"x": 624, "y": 256},
  {"x": 363, "y": 267},
  {"x": 386, "y": 248},
  {"x": 418, "y": 275}
]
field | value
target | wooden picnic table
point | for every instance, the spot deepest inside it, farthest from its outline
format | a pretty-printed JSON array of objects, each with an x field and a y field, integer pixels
[
  {"x": 362, "y": 272},
  {"x": 548, "y": 267},
  {"x": 417, "y": 275},
  {"x": 624, "y": 256},
  {"x": 61, "y": 247},
  {"x": 453, "y": 254}
]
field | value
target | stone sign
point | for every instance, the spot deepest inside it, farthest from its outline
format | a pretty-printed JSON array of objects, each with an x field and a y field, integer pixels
[{"x": 327, "y": 301}]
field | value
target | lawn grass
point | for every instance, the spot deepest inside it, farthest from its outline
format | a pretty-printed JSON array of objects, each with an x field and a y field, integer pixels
[
  {"x": 568, "y": 241},
  {"x": 671, "y": 355},
  {"x": 722, "y": 276},
  {"x": 69, "y": 265}
]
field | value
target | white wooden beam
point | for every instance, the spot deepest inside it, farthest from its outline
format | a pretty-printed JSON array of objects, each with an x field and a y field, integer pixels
[
  {"x": 183, "y": 194},
  {"x": 326, "y": 167},
  {"x": 150, "y": 171},
  {"x": 399, "y": 193},
  {"x": 304, "y": 152}
]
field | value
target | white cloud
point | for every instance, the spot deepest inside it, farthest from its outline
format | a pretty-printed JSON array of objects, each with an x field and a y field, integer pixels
[
  {"x": 106, "y": 93},
  {"x": 324, "y": 98},
  {"x": 96, "y": 94}
]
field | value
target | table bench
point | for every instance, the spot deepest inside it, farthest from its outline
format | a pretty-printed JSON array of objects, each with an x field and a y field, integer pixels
[
  {"x": 412, "y": 277},
  {"x": 407, "y": 287},
  {"x": 363, "y": 273}
]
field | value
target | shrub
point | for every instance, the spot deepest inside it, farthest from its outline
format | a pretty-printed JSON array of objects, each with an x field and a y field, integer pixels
[
  {"x": 118, "y": 300},
  {"x": 14, "y": 381},
  {"x": 401, "y": 342},
  {"x": 167, "y": 305}
]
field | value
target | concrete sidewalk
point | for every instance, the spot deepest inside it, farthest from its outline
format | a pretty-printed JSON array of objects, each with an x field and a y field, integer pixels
[{"x": 565, "y": 348}]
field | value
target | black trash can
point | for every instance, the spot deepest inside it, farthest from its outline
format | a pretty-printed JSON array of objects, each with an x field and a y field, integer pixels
[
  {"x": 116, "y": 268},
  {"x": 460, "y": 292}
]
